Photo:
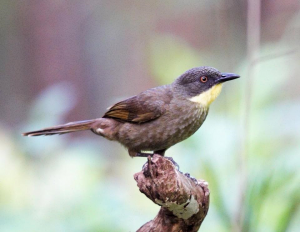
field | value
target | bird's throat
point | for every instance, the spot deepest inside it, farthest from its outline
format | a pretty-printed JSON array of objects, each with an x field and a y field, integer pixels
[{"x": 207, "y": 97}]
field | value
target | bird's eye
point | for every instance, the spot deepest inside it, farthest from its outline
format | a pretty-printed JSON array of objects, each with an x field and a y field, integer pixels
[{"x": 203, "y": 79}]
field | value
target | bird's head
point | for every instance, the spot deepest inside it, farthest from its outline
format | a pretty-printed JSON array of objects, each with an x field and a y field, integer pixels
[{"x": 202, "y": 85}]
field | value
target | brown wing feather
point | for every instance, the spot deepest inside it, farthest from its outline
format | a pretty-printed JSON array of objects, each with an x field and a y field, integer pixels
[{"x": 142, "y": 108}]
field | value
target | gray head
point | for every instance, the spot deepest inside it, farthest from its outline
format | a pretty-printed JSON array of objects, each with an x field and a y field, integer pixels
[{"x": 200, "y": 80}]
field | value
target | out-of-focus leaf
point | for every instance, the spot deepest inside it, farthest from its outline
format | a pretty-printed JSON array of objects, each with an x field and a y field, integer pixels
[
  {"x": 48, "y": 110},
  {"x": 217, "y": 196},
  {"x": 288, "y": 214},
  {"x": 52, "y": 104}
]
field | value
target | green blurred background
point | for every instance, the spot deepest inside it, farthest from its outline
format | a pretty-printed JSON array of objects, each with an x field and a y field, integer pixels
[{"x": 68, "y": 60}]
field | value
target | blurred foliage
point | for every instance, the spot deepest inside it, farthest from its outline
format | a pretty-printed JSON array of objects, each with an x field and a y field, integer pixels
[
  {"x": 85, "y": 183},
  {"x": 176, "y": 56}
]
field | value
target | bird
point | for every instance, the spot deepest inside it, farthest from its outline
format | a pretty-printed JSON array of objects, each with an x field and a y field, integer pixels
[{"x": 158, "y": 118}]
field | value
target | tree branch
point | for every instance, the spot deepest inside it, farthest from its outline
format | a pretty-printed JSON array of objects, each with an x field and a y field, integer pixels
[{"x": 184, "y": 201}]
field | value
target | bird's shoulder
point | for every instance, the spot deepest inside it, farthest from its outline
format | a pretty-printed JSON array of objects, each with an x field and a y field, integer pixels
[
  {"x": 155, "y": 95},
  {"x": 144, "y": 107}
]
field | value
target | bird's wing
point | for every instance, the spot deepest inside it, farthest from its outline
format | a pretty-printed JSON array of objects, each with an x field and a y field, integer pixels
[{"x": 145, "y": 107}]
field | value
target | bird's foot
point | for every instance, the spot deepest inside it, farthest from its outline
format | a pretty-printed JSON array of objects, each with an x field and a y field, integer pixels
[{"x": 149, "y": 155}]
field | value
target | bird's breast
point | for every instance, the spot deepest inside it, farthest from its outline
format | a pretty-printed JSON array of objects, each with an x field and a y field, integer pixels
[
  {"x": 182, "y": 119},
  {"x": 188, "y": 121}
]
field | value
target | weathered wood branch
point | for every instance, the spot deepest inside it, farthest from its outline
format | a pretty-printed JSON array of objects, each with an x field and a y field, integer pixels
[{"x": 184, "y": 200}]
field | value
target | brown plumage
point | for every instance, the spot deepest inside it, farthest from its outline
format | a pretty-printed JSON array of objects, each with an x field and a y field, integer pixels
[
  {"x": 157, "y": 118},
  {"x": 62, "y": 129}
]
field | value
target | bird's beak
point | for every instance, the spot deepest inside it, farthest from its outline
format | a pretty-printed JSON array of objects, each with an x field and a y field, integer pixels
[{"x": 227, "y": 77}]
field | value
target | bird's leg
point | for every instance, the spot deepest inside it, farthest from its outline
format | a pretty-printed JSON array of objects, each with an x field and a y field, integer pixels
[
  {"x": 143, "y": 154},
  {"x": 138, "y": 154},
  {"x": 160, "y": 152}
]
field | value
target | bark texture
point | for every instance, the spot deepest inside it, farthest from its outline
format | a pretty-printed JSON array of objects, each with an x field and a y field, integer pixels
[{"x": 184, "y": 200}]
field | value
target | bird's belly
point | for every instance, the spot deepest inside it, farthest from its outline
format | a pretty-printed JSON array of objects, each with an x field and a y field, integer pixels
[{"x": 163, "y": 132}]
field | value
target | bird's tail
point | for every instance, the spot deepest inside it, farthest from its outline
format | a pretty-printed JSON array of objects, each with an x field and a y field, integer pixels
[{"x": 63, "y": 129}]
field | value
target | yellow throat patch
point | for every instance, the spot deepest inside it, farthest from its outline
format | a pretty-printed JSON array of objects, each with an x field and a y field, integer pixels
[{"x": 207, "y": 97}]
